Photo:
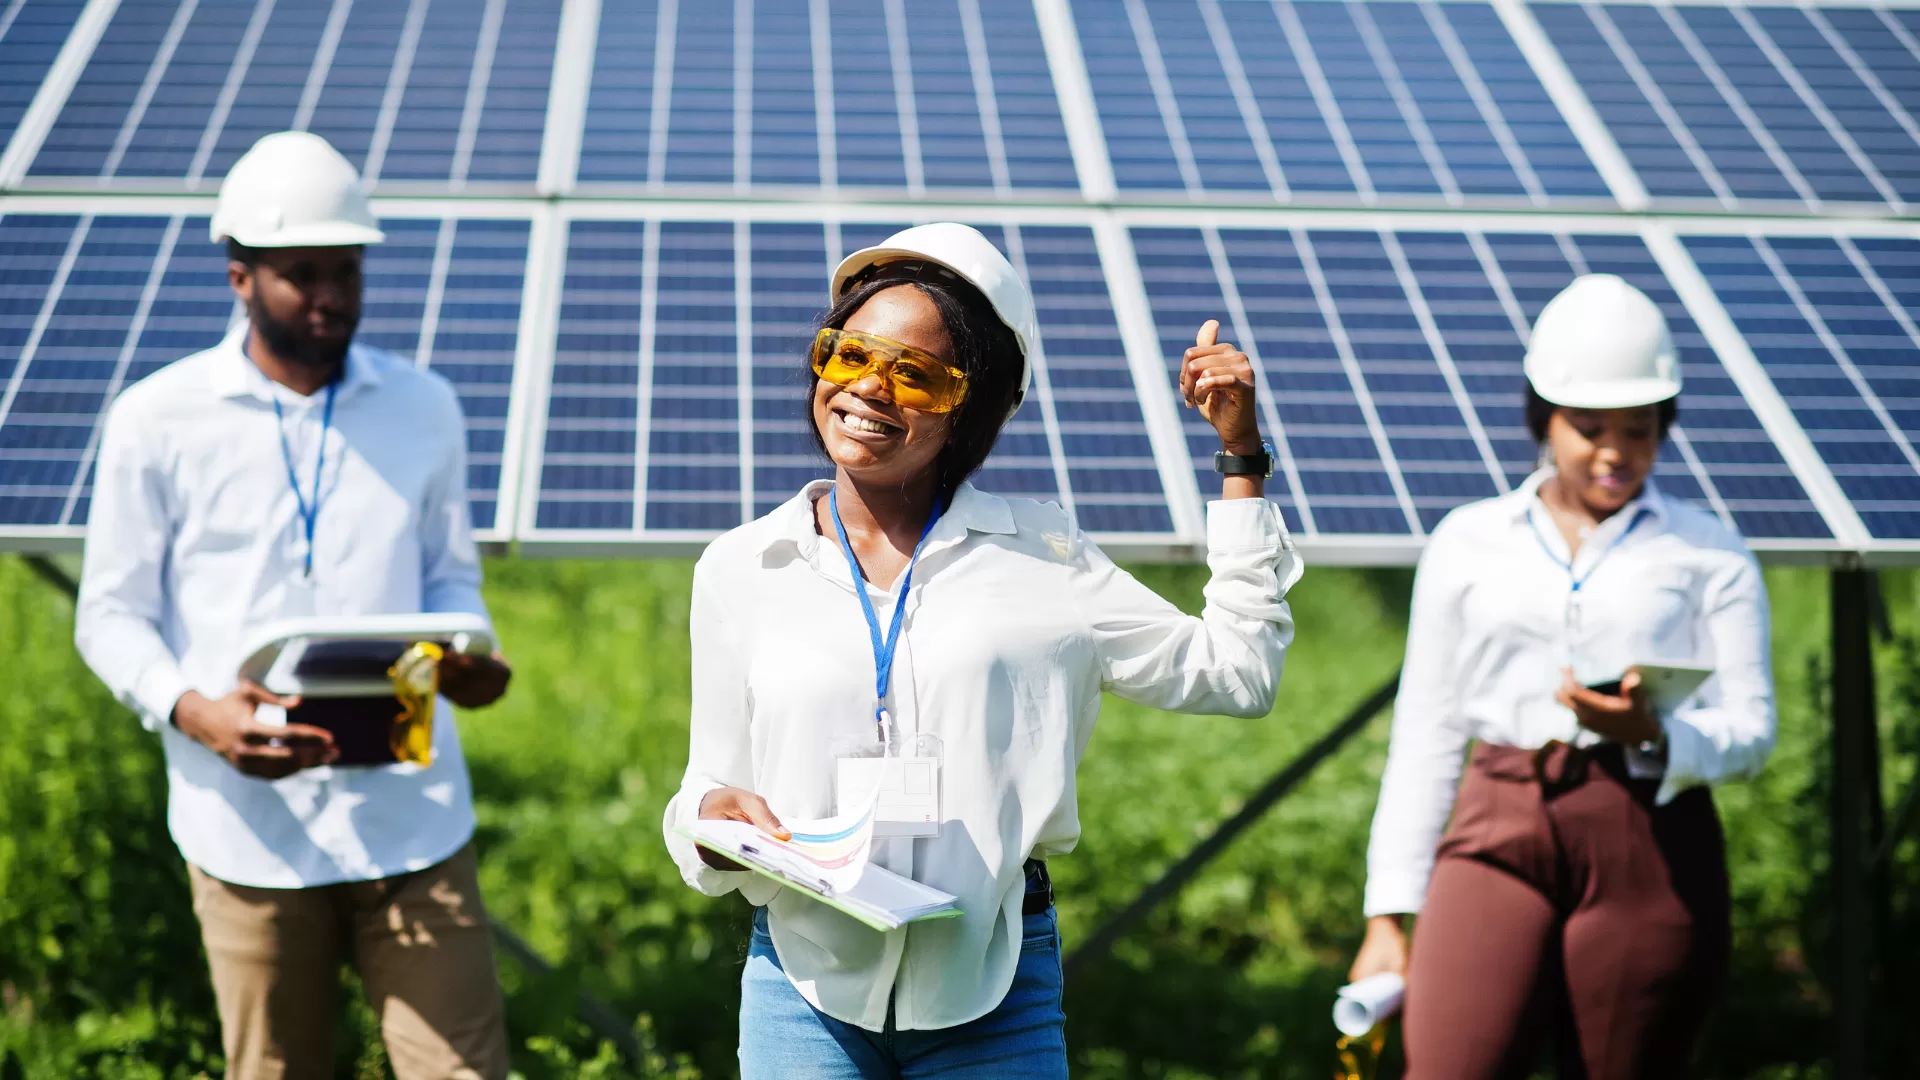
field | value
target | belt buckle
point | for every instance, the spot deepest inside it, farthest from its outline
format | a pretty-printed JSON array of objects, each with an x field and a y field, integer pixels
[
  {"x": 1571, "y": 773},
  {"x": 1039, "y": 888}
]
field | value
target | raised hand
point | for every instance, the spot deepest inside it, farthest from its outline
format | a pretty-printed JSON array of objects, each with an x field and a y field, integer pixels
[{"x": 1218, "y": 379}]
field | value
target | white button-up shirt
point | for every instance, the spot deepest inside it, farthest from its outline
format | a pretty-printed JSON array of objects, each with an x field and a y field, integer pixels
[
  {"x": 195, "y": 542},
  {"x": 1497, "y": 614},
  {"x": 1014, "y": 626}
]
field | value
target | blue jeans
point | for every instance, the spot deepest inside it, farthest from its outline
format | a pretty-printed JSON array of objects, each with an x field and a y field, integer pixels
[{"x": 1024, "y": 1037}]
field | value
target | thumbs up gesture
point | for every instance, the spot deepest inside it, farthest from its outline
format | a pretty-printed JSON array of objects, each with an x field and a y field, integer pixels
[{"x": 1218, "y": 379}]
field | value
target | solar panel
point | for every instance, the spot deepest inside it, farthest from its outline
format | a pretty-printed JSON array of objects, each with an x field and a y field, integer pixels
[
  {"x": 1832, "y": 321},
  {"x": 1284, "y": 99},
  {"x": 31, "y": 33},
  {"x": 680, "y": 397},
  {"x": 1752, "y": 105},
  {"x": 1393, "y": 363},
  {"x": 439, "y": 91},
  {"x": 92, "y": 303},
  {"x": 855, "y": 94},
  {"x": 1376, "y": 197}
]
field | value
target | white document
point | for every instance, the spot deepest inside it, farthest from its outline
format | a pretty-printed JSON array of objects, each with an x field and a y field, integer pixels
[
  {"x": 1360, "y": 1007},
  {"x": 874, "y": 895}
]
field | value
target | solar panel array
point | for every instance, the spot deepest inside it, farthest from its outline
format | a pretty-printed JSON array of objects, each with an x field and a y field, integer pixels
[{"x": 610, "y": 226}]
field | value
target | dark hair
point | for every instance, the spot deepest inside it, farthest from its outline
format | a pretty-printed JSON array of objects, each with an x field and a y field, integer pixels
[
  {"x": 241, "y": 253},
  {"x": 1539, "y": 411},
  {"x": 984, "y": 347}
]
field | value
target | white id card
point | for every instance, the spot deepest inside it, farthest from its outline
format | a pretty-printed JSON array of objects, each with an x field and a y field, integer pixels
[{"x": 909, "y": 792}]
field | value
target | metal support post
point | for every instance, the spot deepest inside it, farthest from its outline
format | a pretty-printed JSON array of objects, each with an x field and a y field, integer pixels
[{"x": 1856, "y": 794}]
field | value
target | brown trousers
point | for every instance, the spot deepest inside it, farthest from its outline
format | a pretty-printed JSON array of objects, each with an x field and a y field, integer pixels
[
  {"x": 1565, "y": 903},
  {"x": 424, "y": 950}
]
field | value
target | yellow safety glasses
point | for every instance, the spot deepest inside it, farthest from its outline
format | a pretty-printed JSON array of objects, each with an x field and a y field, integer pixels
[{"x": 917, "y": 380}]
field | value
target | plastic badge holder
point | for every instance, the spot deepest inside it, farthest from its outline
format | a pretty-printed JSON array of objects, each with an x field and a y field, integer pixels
[{"x": 339, "y": 668}]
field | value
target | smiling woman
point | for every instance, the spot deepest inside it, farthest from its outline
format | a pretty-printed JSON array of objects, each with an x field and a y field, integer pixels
[
  {"x": 1003, "y": 626},
  {"x": 949, "y": 332}
]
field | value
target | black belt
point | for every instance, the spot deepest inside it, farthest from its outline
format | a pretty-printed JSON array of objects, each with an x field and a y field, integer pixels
[{"x": 1039, "y": 889}]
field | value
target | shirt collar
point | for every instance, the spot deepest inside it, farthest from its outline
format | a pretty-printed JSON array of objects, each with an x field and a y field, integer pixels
[
  {"x": 1650, "y": 501},
  {"x": 971, "y": 511},
  {"x": 235, "y": 375}
]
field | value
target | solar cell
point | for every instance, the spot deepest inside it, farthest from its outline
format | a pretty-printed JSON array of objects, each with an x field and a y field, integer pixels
[
  {"x": 1491, "y": 56},
  {"x": 789, "y": 276},
  {"x": 431, "y": 91},
  {"x": 1281, "y": 98},
  {"x": 652, "y": 322},
  {"x": 1669, "y": 160},
  {"x": 862, "y": 94},
  {"x": 1751, "y": 103},
  {"x": 31, "y": 34},
  {"x": 94, "y": 303},
  {"x": 1819, "y": 150},
  {"x": 1840, "y": 345},
  {"x": 588, "y": 467},
  {"x": 1084, "y": 380},
  {"x": 1393, "y": 364},
  {"x": 1342, "y": 478},
  {"x": 675, "y": 399},
  {"x": 1848, "y": 87}
]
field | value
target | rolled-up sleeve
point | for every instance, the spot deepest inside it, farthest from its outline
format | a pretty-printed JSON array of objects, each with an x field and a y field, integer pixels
[
  {"x": 1228, "y": 659},
  {"x": 1428, "y": 744},
  {"x": 122, "y": 599},
  {"x": 719, "y": 743},
  {"x": 1727, "y": 732}
]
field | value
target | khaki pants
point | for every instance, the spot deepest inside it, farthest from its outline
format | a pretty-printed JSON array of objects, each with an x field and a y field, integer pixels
[{"x": 424, "y": 950}]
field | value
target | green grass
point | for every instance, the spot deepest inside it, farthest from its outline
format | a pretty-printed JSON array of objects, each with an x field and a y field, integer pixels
[{"x": 100, "y": 971}]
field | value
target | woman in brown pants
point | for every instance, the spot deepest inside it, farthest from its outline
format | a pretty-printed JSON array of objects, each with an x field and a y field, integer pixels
[{"x": 1580, "y": 896}]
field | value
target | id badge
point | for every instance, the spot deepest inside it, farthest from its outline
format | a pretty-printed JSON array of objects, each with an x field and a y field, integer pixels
[{"x": 909, "y": 802}]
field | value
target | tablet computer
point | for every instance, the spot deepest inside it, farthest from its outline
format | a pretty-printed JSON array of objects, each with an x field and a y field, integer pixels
[
  {"x": 338, "y": 666},
  {"x": 1668, "y": 686}
]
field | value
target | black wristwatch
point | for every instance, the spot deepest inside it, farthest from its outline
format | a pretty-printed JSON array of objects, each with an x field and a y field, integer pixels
[{"x": 1260, "y": 464}]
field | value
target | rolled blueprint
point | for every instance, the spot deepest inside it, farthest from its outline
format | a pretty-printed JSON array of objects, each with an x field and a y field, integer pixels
[{"x": 1361, "y": 1006}]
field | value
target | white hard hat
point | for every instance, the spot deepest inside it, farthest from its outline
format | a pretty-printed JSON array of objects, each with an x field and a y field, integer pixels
[
  {"x": 293, "y": 189},
  {"x": 1602, "y": 344},
  {"x": 961, "y": 249}
]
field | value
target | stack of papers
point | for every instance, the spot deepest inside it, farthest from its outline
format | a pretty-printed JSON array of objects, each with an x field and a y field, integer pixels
[{"x": 818, "y": 863}]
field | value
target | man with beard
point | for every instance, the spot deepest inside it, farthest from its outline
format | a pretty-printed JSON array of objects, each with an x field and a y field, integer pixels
[{"x": 287, "y": 472}]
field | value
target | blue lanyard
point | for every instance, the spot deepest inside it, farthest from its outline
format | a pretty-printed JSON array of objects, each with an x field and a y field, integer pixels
[
  {"x": 1638, "y": 514},
  {"x": 882, "y": 648},
  {"x": 309, "y": 514}
]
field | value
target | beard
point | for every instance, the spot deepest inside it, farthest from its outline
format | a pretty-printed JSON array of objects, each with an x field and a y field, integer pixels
[{"x": 291, "y": 340}]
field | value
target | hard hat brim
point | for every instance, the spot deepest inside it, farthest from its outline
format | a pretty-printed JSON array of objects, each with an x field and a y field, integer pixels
[
  {"x": 328, "y": 234},
  {"x": 1613, "y": 394}
]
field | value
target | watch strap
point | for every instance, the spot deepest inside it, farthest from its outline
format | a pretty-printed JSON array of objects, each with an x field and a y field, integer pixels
[{"x": 1260, "y": 464}]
